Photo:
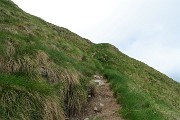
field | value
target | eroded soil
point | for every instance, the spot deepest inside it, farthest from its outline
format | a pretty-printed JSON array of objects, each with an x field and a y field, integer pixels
[{"x": 103, "y": 105}]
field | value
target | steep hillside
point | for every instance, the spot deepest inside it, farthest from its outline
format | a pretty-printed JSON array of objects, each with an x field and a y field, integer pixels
[
  {"x": 145, "y": 94},
  {"x": 45, "y": 73}
]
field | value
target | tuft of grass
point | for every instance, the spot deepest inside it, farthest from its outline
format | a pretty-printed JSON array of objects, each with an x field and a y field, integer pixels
[
  {"x": 76, "y": 99},
  {"x": 25, "y": 84},
  {"x": 24, "y": 99}
]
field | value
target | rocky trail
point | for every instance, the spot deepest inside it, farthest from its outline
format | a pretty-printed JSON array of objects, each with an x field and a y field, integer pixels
[{"x": 103, "y": 105}]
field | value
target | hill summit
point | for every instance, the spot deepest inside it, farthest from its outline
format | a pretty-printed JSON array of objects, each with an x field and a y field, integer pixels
[{"x": 46, "y": 72}]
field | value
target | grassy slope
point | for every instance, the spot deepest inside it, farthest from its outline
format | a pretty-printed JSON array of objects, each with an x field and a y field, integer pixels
[
  {"x": 52, "y": 66},
  {"x": 34, "y": 50},
  {"x": 145, "y": 94}
]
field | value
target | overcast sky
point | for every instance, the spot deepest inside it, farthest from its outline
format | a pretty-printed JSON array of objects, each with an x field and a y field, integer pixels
[{"x": 147, "y": 30}]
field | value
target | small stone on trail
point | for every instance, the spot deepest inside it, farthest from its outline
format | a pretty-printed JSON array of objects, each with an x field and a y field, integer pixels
[
  {"x": 99, "y": 82},
  {"x": 86, "y": 119},
  {"x": 95, "y": 108},
  {"x": 97, "y": 77},
  {"x": 102, "y": 105}
]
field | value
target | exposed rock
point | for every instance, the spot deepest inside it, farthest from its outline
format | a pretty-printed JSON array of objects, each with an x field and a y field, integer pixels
[
  {"x": 99, "y": 82},
  {"x": 101, "y": 105},
  {"x": 85, "y": 109},
  {"x": 95, "y": 109},
  {"x": 97, "y": 77},
  {"x": 86, "y": 119}
]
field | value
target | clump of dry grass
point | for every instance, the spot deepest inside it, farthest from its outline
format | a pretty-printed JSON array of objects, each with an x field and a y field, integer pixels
[
  {"x": 75, "y": 96},
  {"x": 26, "y": 100},
  {"x": 91, "y": 88},
  {"x": 47, "y": 68},
  {"x": 10, "y": 49},
  {"x": 72, "y": 92},
  {"x": 22, "y": 65}
]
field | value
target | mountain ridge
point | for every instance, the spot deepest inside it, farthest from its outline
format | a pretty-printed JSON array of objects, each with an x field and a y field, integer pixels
[{"x": 45, "y": 73}]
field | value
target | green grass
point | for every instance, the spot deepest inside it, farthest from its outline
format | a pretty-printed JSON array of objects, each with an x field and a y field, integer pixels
[
  {"x": 143, "y": 92},
  {"x": 135, "y": 105},
  {"x": 28, "y": 44},
  {"x": 25, "y": 84}
]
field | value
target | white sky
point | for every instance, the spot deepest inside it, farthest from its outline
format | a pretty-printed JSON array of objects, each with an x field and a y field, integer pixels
[{"x": 147, "y": 30}]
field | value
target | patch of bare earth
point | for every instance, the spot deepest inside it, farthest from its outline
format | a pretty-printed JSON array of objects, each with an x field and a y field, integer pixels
[{"x": 103, "y": 105}]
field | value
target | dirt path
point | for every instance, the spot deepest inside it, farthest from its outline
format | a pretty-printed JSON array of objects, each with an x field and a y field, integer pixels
[{"x": 103, "y": 105}]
